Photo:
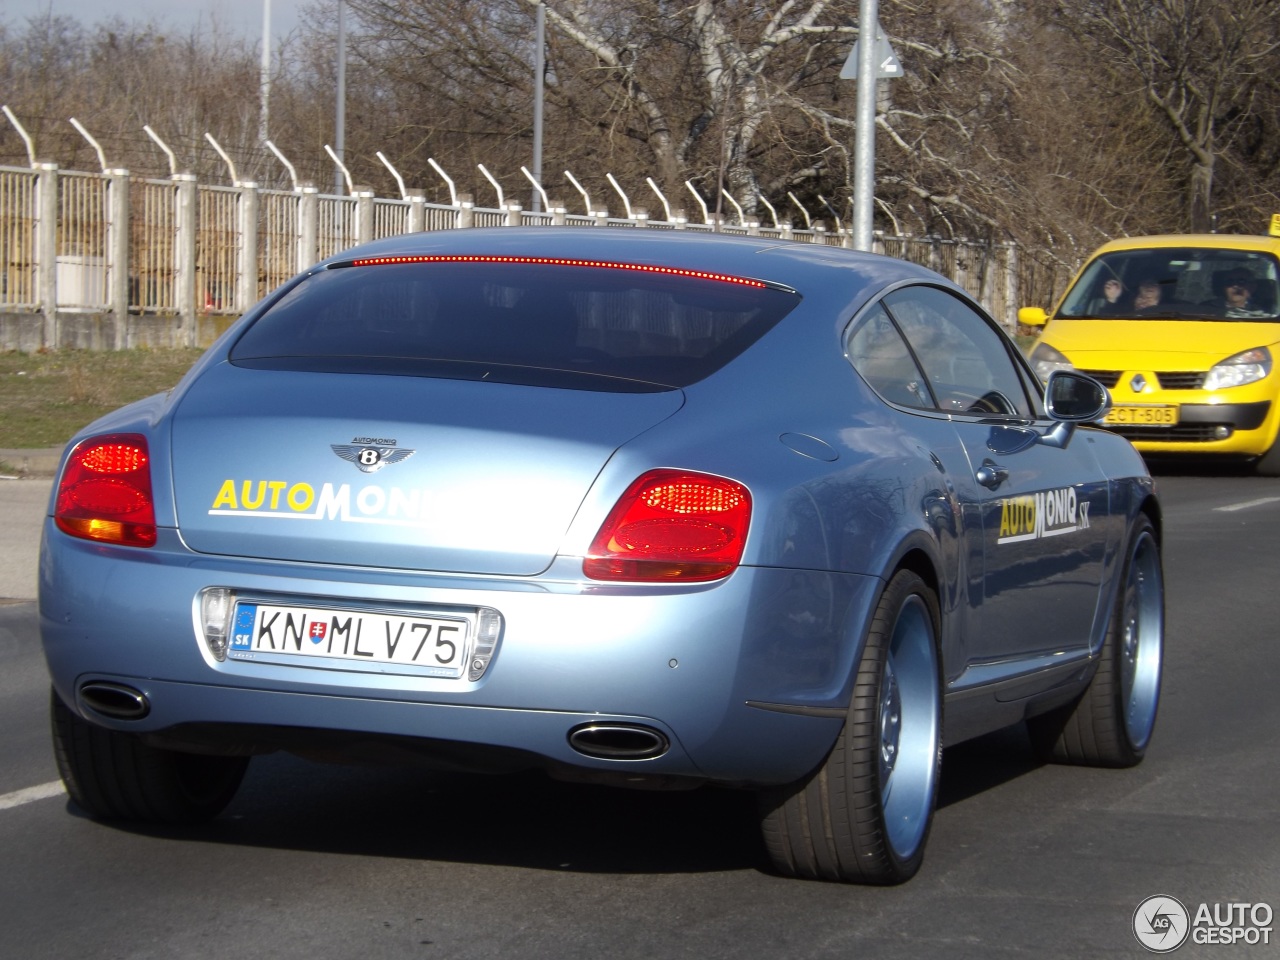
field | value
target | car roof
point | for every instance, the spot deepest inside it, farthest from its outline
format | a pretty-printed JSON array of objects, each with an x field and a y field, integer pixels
[
  {"x": 1215, "y": 241},
  {"x": 798, "y": 265}
]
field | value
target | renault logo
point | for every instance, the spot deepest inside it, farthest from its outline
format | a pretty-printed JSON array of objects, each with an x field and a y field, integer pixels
[{"x": 1138, "y": 383}]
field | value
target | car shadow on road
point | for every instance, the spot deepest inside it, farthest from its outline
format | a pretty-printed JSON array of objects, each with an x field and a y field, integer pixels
[
  {"x": 512, "y": 820},
  {"x": 985, "y": 763},
  {"x": 529, "y": 820}
]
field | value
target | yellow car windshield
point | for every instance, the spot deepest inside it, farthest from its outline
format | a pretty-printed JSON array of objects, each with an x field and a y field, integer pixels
[{"x": 1164, "y": 283}]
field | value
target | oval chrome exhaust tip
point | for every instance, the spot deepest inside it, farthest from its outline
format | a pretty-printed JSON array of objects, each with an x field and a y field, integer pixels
[
  {"x": 618, "y": 741},
  {"x": 114, "y": 700}
]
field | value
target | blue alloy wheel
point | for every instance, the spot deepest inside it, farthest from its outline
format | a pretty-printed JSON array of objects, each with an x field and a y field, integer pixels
[
  {"x": 909, "y": 722},
  {"x": 864, "y": 815},
  {"x": 1110, "y": 724}
]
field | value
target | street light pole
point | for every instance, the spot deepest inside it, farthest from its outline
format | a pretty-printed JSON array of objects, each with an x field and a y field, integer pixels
[
  {"x": 864, "y": 142},
  {"x": 263, "y": 134},
  {"x": 539, "y": 76},
  {"x": 340, "y": 123}
]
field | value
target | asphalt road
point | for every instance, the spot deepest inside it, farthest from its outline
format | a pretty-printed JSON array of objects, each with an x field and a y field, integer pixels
[
  {"x": 22, "y": 508},
  {"x": 1024, "y": 861}
]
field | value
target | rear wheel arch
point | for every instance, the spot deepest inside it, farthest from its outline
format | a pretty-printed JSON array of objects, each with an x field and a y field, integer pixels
[{"x": 922, "y": 565}]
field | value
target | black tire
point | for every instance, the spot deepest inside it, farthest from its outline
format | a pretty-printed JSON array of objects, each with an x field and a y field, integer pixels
[
  {"x": 1268, "y": 465},
  {"x": 1110, "y": 725},
  {"x": 862, "y": 817},
  {"x": 115, "y": 776}
]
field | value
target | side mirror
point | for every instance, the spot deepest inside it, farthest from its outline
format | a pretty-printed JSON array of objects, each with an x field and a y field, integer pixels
[
  {"x": 1032, "y": 316},
  {"x": 1072, "y": 397}
]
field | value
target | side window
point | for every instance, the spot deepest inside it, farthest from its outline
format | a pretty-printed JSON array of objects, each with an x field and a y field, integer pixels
[
  {"x": 880, "y": 355},
  {"x": 964, "y": 357}
]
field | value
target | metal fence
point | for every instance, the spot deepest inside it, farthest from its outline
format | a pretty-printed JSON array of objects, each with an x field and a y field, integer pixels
[{"x": 133, "y": 261}]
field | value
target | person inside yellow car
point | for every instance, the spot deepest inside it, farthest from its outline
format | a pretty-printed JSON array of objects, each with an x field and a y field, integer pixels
[
  {"x": 1239, "y": 299},
  {"x": 1148, "y": 294}
]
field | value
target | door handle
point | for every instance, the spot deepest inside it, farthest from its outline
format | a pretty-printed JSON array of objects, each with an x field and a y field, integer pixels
[{"x": 991, "y": 474}]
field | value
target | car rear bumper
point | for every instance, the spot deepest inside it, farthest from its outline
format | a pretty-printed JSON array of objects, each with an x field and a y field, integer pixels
[{"x": 681, "y": 661}]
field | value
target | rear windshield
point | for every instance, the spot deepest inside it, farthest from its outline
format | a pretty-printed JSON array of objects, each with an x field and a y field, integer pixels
[
  {"x": 584, "y": 327},
  {"x": 1193, "y": 283}
]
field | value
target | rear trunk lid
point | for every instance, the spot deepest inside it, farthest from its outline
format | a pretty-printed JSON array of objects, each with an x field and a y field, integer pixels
[{"x": 392, "y": 471}]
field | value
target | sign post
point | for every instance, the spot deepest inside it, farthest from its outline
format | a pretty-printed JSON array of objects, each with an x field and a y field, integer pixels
[{"x": 867, "y": 62}]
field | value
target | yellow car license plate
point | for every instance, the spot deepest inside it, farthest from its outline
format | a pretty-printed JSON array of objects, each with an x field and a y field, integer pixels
[{"x": 1149, "y": 416}]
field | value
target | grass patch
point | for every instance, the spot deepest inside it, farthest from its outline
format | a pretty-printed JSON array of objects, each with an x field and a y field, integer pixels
[{"x": 46, "y": 397}]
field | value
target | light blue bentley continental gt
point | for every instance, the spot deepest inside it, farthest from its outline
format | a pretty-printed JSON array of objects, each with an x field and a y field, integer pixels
[{"x": 633, "y": 507}]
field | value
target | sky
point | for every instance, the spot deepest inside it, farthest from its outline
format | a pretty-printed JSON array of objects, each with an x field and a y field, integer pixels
[{"x": 238, "y": 17}]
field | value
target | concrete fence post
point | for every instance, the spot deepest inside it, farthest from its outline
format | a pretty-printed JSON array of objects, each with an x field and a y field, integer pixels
[
  {"x": 118, "y": 256},
  {"x": 466, "y": 211},
  {"x": 364, "y": 213},
  {"x": 417, "y": 213},
  {"x": 46, "y": 242},
  {"x": 559, "y": 212},
  {"x": 515, "y": 214},
  {"x": 308, "y": 226},
  {"x": 185, "y": 255},
  {"x": 1012, "y": 289},
  {"x": 247, "y": 247}
]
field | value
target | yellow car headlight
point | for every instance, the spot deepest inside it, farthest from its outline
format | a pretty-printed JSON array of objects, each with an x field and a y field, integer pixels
[{"x": 1235, "y": 371}]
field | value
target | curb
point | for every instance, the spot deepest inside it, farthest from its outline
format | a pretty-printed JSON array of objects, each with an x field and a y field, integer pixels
[{"x": 30, "y": 463}]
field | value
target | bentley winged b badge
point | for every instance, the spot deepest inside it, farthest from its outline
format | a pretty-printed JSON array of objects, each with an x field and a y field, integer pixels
[{"x": 371, "y": 458}]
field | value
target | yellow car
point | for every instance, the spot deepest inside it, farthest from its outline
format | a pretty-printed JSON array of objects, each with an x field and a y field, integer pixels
[{"x": 1184, "y": 332}]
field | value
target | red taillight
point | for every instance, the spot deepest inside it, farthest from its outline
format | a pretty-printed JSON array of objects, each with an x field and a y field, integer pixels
[
  {"x": 105, "y": 493},
  {"x": 672, "y": 525}
]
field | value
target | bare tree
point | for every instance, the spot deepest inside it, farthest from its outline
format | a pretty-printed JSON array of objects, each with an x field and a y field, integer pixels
[
  {"x": 1055, "y": 123},
  {"x": 1198, "y": 64}
]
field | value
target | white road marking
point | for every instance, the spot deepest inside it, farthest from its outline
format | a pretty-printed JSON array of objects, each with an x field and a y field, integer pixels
[
  {"x": 31, "y": 794},
  {"x": 1233, "y": 507}
]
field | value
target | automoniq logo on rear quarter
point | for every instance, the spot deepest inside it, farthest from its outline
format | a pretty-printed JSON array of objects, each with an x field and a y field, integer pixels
[{"x": 1161, "y": 924}]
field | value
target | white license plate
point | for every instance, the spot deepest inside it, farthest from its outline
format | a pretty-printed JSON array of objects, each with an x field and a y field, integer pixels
[{"x": 434, "y": 644}]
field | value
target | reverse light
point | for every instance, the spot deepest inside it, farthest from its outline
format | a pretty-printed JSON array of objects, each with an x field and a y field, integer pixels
[
  {"x": 1045, "y": 360},
  {"x": 216, "y": 606},
  {"x": 105, "y": 492},
  {"x": 672, "y": 526},
  {"x": 1246, "y": 367}
]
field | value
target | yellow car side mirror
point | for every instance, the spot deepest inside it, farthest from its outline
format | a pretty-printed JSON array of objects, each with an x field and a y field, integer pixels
[{"x": 1032, "y": 316}]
